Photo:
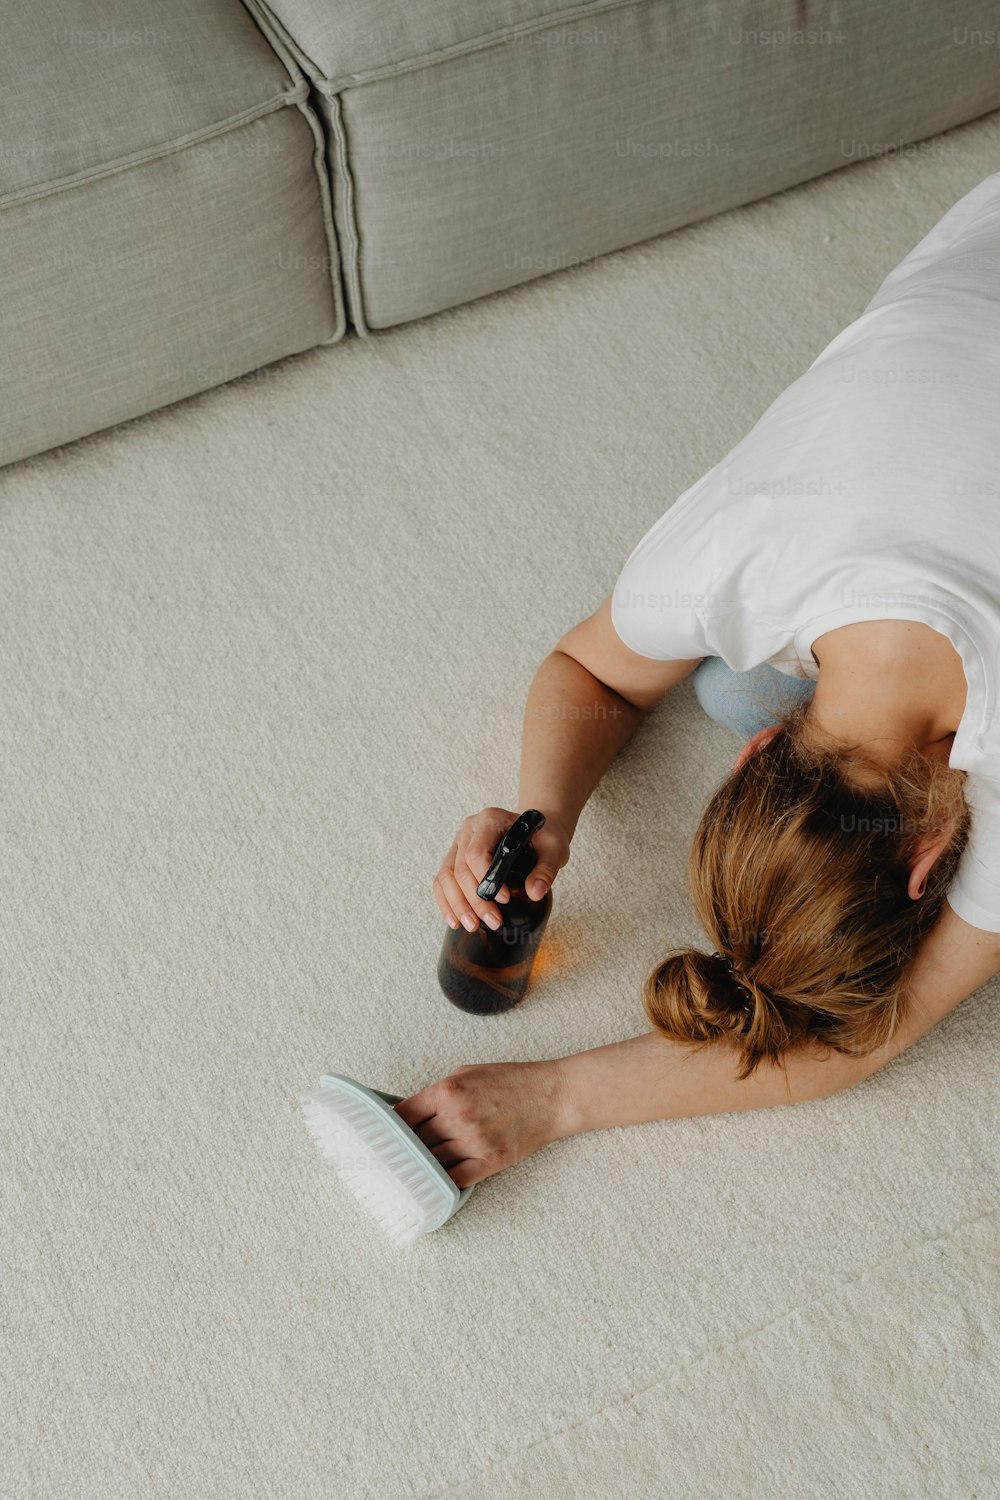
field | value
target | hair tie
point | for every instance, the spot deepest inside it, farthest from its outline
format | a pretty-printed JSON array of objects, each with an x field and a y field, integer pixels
[{"x": 748, "y": 1001}]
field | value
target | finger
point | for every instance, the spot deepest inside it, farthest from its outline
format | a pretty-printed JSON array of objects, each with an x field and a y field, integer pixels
[
  {"x": 418, "y": 1109},
  {"x": 457, "y": 900},
  {"x": 485, "y": 911},
  {"x": 545, "y": 869},
  {"x": 448, "y": 1153},
  {"x": 459, "y": 889},
  {"x": 448, "y": 863},
  {"x": 468, "y": 1172},
  {"x": 443, "y": 906},
  {"x": 433, "y": 1133}
]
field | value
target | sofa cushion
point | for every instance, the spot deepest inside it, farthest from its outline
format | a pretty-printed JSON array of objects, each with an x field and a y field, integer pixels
[
  {"x": 138, "y": 288},
  {"x": 347, "y": 40},
  {"x": 165, "y": 214},
  {"x": 84, "y": 85},
  {"x": 473, "y": 146}
]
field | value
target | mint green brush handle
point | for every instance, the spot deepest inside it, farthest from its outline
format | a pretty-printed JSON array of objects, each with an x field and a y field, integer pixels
[
  {"x": 461, "y": 1194},
  {"x": 380, "y": 1158}
]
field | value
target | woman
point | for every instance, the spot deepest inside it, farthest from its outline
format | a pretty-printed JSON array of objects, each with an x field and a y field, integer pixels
[{"x": 833, "y": 585}]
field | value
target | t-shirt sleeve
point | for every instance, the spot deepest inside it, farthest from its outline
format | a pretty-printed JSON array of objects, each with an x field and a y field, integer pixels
[
  {"x": 974, "y": 893},
  {"x": 659, "y": 599},
  {"x": 935, "y": 259}
]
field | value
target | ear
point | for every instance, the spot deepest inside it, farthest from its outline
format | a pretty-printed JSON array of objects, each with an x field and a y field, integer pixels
[
  {"x": 930, "y": 848},
  {"x": 757, "y": 742}
]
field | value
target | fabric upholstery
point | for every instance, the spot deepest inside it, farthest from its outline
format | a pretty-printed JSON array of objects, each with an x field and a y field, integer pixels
[
  {"x": 165, "y": 216},
  {"x": 84, "y": 85},
  {"x": 353, "y": 40},
  {"x": 141, "y": 287},
  {"x": 472, "y": 148}
]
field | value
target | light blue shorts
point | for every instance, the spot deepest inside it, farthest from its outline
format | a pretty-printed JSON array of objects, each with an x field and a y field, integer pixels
[{"x": 747, "y": 701}]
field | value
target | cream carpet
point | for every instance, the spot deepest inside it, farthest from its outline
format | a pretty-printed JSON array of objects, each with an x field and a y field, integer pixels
[{"x": 255, "y": 670}]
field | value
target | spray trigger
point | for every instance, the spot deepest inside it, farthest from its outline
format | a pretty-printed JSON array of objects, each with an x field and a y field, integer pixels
[{"x": 507, "y": 853}]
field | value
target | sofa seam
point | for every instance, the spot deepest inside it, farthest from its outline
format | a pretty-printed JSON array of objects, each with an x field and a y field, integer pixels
[
  {"x": 168, "y": 148},
  {"x": 291, "y": 55},
  {"x": 329, "y": 227},
  {"x": 282, "y": 40},
  {"x": 473, "y": 44},
  {"x": 296, "y": 59},
  {"x": 350, "y": 260}
]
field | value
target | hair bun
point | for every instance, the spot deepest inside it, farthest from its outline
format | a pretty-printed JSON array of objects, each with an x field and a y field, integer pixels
[{"x": 691, "y": 997}]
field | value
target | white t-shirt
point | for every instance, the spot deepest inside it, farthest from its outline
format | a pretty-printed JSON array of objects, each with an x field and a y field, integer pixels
[{"x": 870, "y": 489}]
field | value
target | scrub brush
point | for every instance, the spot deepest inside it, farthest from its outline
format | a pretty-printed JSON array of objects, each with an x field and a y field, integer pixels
[{"x": 379, "y": 1158}]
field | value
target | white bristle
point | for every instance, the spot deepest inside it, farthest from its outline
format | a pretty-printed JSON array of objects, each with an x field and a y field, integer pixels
[{"x": 372, "y": 1163}]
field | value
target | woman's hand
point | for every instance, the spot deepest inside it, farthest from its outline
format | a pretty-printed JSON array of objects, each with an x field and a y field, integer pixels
[
  {"x": 471, "y": 855},
  {"x": 483, "y": 1118}
]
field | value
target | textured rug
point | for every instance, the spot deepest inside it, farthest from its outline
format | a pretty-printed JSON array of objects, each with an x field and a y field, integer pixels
[{"x": 255, "y": 671}]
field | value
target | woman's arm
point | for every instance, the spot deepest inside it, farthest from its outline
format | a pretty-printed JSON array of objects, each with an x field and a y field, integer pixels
[
  {"x": 485, "y": 1117},
  {"x": 652, "y": 1078},
  {"x": 586, "y": 701}
]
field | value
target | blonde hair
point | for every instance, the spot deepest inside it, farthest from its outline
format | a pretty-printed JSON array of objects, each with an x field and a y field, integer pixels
[{"x": 799, "y": 872}]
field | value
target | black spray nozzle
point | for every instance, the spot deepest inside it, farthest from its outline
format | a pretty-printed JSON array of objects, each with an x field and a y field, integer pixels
[{"x": 511, "y": 853}]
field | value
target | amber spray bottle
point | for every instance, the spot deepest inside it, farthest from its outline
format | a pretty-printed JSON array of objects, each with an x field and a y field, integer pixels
[{"x": 485, "y": 971}]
